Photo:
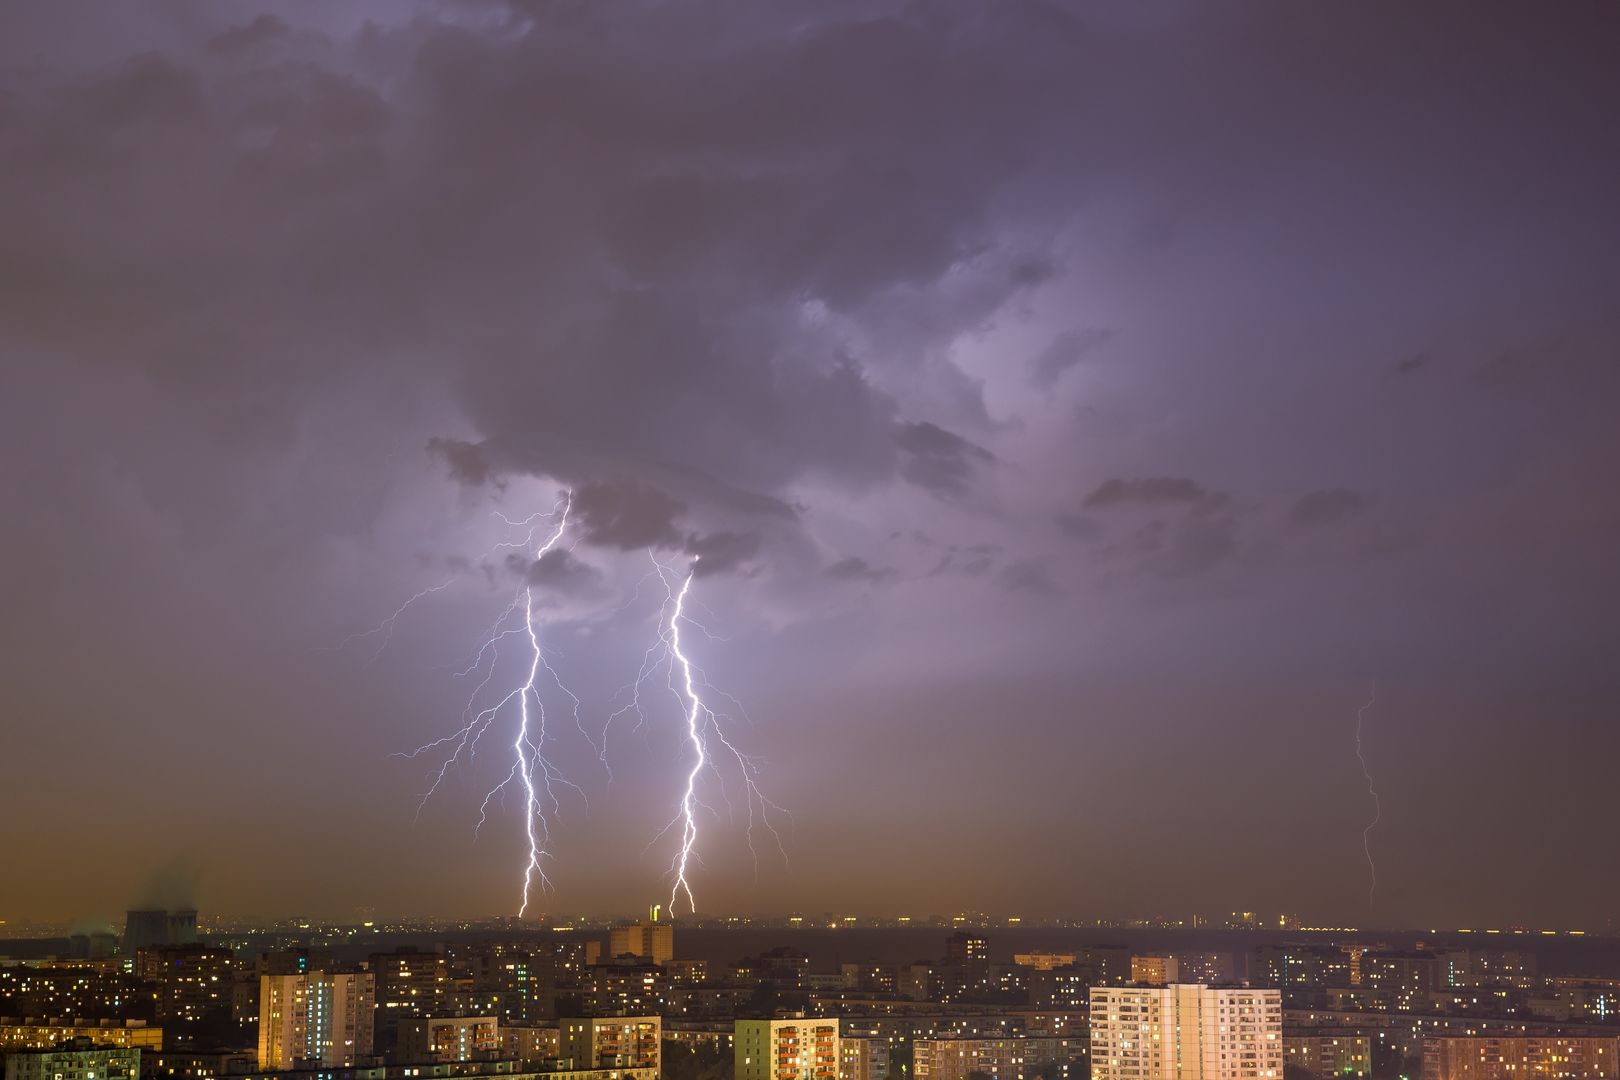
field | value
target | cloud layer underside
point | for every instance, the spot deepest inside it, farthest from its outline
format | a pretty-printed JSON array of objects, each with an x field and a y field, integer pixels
[{"x": 626, "y": 272}]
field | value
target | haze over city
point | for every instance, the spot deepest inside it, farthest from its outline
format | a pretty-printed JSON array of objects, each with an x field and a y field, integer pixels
[{"x": 1081, "y": 430}]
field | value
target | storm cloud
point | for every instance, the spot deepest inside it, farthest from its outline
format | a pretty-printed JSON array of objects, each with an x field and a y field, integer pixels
[{"x": 1173, "y": 368}]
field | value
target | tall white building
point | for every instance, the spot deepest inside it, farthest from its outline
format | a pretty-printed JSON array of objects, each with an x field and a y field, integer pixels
[
  {"x": 1185, "y": 1032},
  {"x": 315, "y": 1016},
  {"x": 794, "y": 1049}
]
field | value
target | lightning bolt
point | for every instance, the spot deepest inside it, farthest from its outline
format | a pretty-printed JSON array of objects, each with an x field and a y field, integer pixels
[
  {"x": 696, "y": 713},
  {"x": 530, "y": 770},
  {"x": 386, "y": 627},
  {"x": 687, "y": 682},
  {"x": 1378, "y": 809}
]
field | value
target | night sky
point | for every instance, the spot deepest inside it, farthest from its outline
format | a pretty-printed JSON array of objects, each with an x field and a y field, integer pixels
[{"x": 1077, "y": 409}]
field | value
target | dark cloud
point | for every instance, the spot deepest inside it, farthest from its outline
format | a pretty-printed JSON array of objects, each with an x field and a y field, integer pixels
[
  {"x": 722, "y": 552},
  {"x": 1080, "y": 527},
  {"x": 560, "y": 572},
  {"x": 262, "y": 30},
  {"x": 468, "y": 463},
  {"x": 1191, "y": 547},
  {"x": 1029, "y": 575},
  {"x": 939, "y": 460},
  {"x": 1411, "y": 365},
  {"x": 1153, "y": 491},
  {"x": 965, "y": 564},
  {"x": 1327, "y": 507},
  {"x": 627, "y": 514},
  {"x": 855, "y": 568},
  {"x": 1068, "y": 349}
]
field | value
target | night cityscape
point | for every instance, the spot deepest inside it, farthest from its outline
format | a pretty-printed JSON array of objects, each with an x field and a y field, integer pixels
[{"x": 837, "y": 540}]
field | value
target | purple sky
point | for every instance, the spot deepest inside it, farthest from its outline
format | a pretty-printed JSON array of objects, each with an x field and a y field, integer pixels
[{"x": 1078, "y": 408}]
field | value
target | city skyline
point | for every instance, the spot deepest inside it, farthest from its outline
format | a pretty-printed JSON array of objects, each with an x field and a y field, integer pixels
[{"x": 1098, "y": 460}]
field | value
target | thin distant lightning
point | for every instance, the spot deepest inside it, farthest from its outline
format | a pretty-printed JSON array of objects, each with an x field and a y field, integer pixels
[
  {"x": 531, "y": 770},
  {"x": 386, "y": 627},
  {"x": 688, "y": 684},
  {"x": 1378, "y": 809}
]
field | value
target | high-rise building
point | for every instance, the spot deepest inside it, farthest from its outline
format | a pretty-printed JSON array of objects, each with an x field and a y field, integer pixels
[
  {"x": 320, "y": 1017},
  {"x": 651, "y": 939},
  {"x": 611, "y": 1042},
  {"x": 794, "y": 1049},
  {"x": 1185, "y": 1032},
  {"x": 410, "y": 983},
  {"x": 76, "y": 1059},
  {"x": 965, "y": 970},
  {"x": 193, "y": 982}
]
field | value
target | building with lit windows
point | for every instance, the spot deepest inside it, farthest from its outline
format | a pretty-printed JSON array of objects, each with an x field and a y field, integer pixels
[
  {"x": 529, "y": 1043},
  {"x": 32, "y": 1035},
  {"x": 1487, "y": 967},
  {"x": 1209, "y": 968},
  {"x": 410, "y": 982},
  {"x": 624, "y": 988},
  {"x": 1401, "y": 980},
  {"x": 1043, "y": 961},
  {"x": 794, "y": 1049},
  {"x": 1494, "y": 1058},
  {"x": 1577, "y": 999},
  {"x": 1300, "y": 966},
  {"x": 965, "y": 970},
  {"x": 68, "y": 990},
  {"x": 1110, "y": 965},
  {"x": 76, "y": 1059},
  {"x": 863, "y": 1057},
  {"x": 317, "y": 1017},
  {"x": 1001, "y": 1059},
  {"x": 1185, "y": 1032},
  {"x": 193, "y": 982},
  {"x": 448, "y": 1038},
  {"x": 1346, "y": 1054},
  {"x": 612, "y": 1042},
  {"x": 652, "y": 940},
  {"x": 1155, "y": 970}
]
